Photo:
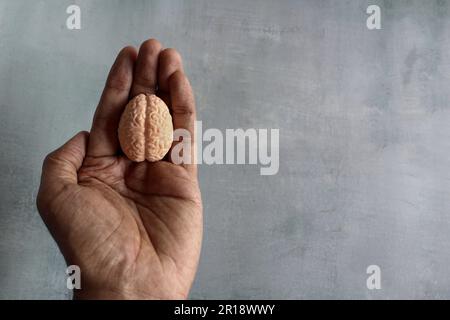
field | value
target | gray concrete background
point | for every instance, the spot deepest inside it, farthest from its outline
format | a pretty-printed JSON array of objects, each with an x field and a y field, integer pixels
[{"x": 364, "y": 123}]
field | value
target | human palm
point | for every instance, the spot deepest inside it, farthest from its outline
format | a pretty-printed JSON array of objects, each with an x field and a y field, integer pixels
[{"x": 134, "y": 229}]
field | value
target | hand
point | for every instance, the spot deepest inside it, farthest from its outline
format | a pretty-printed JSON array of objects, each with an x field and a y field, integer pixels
[{"x": 134, "y": 229}]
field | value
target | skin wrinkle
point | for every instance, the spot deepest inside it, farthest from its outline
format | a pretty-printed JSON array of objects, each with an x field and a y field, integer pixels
[
  {"x": 73, "y": 153},
  {"x": 111, "y": 247},
  {"x": 182, "y": 111},
  {"x": 83, "y": 244},
  {"x": 109, "y": 271},
  {"x": 54, "y": 160},
  {"x": 118, "y": 184},
  {"x": 98, "y": 165},
  {"x": 162, "y": 222},
  {"x": 167, "y": 204},
  {"x": 155, "y": 247},
  {"x": 158, "y": 251},
  {"x": 149, "y": 193},
  {"x": 138, "y": 252},
  {"x": 56, "y": 202},
  {"x": 107, "y": 238},
  {"x": 136, "y": 204}
]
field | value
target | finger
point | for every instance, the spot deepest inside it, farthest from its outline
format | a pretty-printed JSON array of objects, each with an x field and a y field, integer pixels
[
  {"x": 103, "y": 138},
  {"x": 183, "y": 114},
  {"x": 146, "y": 68},
  {"x": 174, "y": 89},
  {"x": 169, "y": 62},
  {"x": 61, "y": 166},
  {"x": 182, "y": 102}
]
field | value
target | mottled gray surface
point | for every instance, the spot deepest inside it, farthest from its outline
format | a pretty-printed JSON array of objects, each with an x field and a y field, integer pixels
[{"x": 364, "y": 122}]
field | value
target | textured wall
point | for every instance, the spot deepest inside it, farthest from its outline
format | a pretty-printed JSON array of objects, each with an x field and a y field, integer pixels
[{"x": 364, "y": 123}]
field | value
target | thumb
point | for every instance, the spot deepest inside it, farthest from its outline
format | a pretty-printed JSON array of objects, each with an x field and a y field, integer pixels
[{"x": 61, "y": 166}]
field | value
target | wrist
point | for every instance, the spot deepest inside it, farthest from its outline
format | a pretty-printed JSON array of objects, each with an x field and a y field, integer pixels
[{"x": 81, "y": 294}]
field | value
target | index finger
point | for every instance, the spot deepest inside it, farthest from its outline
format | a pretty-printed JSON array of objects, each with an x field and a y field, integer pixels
[{"x": 103, "y": 138}]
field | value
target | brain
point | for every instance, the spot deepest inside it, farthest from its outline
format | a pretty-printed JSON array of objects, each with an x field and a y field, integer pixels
[{"x": 145, "y": 128}]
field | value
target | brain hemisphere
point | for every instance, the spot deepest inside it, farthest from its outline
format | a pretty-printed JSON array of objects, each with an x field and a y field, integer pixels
[{"x": 145, "y": 128}]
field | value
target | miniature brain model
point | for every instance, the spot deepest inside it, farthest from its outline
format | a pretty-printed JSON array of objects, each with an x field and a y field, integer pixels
[{"x": 145, "y": 128}]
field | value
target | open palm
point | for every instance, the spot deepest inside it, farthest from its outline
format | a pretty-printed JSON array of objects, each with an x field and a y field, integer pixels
[{"x": 134, "y": 229}]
